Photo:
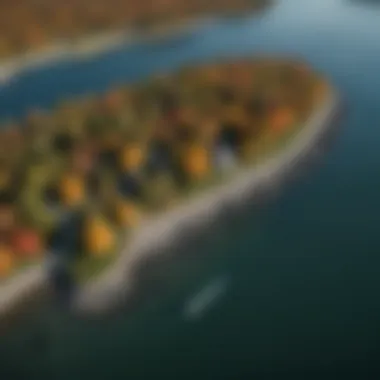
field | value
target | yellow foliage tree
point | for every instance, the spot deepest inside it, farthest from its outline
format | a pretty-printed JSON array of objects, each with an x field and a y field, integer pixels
[{"x": 98, "y": 236}]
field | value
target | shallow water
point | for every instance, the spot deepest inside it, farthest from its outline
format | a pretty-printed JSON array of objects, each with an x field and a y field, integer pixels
[{"x": 303, "y": 298}]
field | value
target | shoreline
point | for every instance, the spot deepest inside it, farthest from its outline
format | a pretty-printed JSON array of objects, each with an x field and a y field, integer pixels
[
  {"x": 92, "y": 45},
  {"x": 25, "y": 287},
  {"x": 88, "y": 47},
  {"x": 167, "y": 232},
  {"x": 161, "y": 234}
]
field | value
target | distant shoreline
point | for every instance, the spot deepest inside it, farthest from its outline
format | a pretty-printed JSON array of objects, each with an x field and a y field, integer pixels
[{"x": 90, "y": 46}]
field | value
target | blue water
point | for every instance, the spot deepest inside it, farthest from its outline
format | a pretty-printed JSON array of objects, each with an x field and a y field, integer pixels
[{"x": 303, "y": 295}]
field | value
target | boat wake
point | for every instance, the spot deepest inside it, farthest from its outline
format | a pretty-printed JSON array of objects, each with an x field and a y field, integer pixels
[{"x": 199, "y": 303}]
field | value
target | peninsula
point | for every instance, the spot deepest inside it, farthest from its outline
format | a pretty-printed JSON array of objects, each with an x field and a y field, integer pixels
[{"x": 154, "y": 160}]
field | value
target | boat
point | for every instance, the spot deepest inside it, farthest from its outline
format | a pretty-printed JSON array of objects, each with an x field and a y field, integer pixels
[{"x": 199, "y": 303}]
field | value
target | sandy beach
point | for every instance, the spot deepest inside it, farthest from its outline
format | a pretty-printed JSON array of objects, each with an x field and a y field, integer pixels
[{"x": 20, "y": 289}]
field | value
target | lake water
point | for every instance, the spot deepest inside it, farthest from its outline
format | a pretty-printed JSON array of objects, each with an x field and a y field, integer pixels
[{"x": 303, "y": 272}]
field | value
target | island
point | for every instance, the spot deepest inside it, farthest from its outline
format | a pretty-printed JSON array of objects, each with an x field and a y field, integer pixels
[{"x": 76, "y": 183}]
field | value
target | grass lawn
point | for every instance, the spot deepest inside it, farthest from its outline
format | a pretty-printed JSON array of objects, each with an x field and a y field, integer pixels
[{"x": 90, "y": 266}]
